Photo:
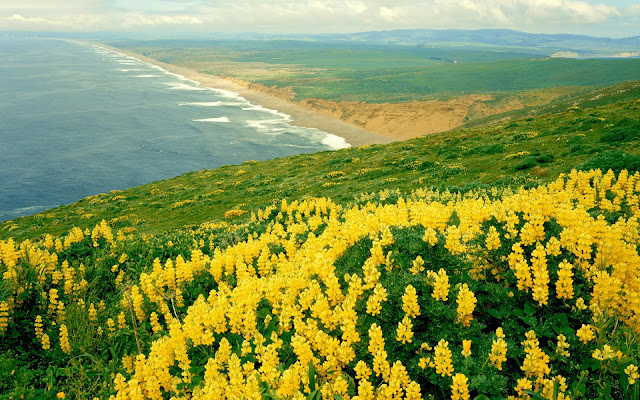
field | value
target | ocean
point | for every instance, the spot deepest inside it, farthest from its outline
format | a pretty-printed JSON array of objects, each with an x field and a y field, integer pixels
[{"x": 77, "y": 119}]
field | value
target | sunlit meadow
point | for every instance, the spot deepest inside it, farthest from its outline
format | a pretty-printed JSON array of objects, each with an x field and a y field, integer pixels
[{"x": 499, "y": 294}]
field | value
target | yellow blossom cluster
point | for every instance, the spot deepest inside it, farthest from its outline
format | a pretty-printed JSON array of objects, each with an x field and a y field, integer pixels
[{"x": 277, "y": 303}]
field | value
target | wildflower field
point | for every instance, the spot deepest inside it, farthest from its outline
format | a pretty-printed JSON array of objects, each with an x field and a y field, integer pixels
[{"x": 491, "y": 294}]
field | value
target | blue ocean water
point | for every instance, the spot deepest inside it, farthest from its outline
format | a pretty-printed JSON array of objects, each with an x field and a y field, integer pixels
[{"x": 77, "y": 119}]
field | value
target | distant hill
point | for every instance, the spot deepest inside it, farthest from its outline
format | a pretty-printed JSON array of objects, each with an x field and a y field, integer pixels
[
  {"x": 486, "y": 39},
  {"x": 547, "y": 43}
]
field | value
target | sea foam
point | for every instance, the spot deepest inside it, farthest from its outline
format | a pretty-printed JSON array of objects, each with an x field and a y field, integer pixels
[{"x": 217, "y": 119}]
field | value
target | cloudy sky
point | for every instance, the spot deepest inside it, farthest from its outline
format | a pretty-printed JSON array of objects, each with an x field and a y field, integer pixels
[{"x": 612, "y": 18}]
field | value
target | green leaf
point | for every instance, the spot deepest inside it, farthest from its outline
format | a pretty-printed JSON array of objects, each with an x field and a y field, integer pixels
[
  {"x": 534, "y": 395},
  {"x": 312, "y": 376},
  {"x": 493, "y": 312},
  {"x": 312, "y": 395},
  {"x": 531, "y": 321},
  {"x": 529, "y": 308},
  {"x": 481, "y": 397}
]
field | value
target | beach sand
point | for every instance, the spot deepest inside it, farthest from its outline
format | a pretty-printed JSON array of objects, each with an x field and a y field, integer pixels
[{"x": 354, "y": 135}]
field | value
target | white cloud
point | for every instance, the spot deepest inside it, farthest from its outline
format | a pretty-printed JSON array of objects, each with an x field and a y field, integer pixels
[
  {"x": 312, "y": 16},
  {"x": 31, "y": 20},
  {"x": 388, "y": 13}
]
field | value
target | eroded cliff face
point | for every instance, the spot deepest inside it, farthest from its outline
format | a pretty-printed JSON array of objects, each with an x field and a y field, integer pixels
[{"x": 400, "y": 121}]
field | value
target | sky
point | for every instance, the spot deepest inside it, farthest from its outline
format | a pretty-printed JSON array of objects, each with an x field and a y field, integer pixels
[{"x": 616, "y": 18}]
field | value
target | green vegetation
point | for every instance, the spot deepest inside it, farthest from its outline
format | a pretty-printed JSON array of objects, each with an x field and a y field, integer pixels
[{"x": 358, "y": 72}]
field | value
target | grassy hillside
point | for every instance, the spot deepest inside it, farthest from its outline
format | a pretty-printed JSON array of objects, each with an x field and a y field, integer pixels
[
  {"x": 527, "y": 151},
  {"x": 359, "y": 72},
  {"x": 490, "y": 295}
]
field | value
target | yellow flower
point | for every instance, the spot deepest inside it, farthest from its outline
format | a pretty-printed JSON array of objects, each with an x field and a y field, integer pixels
[
  {"x": 362, "y": 370},
  {"x": 605, "y": 354},
  {"x": 64, "y": 339},
  {"x": 60, "y": 395},
  {"x": 440, "y": 284},
  {"x": 46, "y": 344},
  {"x": 404, "y": 333},
  {"x": 632, "y": 373},
  {"x": 466, "y": 304},
  {"x": 562, "y": 346},
  {"x": 466, "y": 347},
  {"x": 523, "y": 384},
  {"x": 460, "y": 387},
  {"x": 498, "y": 353},
  {"x": 374, "y": 303},
  {"x": 410, "y": 302},
  {"x": 564, "y": 284},
  {"x": 493, "y": 239},
  {"x": 586, "y": 333},
  {"x": 442, "y": 358},
  {"x": 417, "y": 266}
]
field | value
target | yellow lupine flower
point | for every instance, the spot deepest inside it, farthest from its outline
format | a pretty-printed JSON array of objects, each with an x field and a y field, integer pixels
[
  {"x": 562, "y": 346},
  {"x": 39, "y": 327},
  {"x": 44, "y": 340},
  {"x": 4, "y": 316},
  {"x": 605, "y": 354},
  {"x": 466, "y": 304},
  {"x": 586, "y": 333},
  {"x": 404, "y": 332},
  {"x": 632, "y": 373},
  {"x": 122, "y": 321},
  {"x": 580, "y": 305},
  {"x": 64, "y": 339},
  {"x": 410, "y": 304},
  {"x": 536, "y": 361},
  {"x": 498, "y": 353},
  {"x": 374, "y": 303},
  {"x": 362, "y": 370},
  {"x": 417, "y": 266},
  {"x": 492, "y": 241},
  {"x": 440, "y": 285},
  {"x": 93, "y": 313},
  {"x": 460, "y": 387},
  {"x": 523, "y": 384},
  {"x": 442, "y": 358},
  {"x": 564, "y": 284}
]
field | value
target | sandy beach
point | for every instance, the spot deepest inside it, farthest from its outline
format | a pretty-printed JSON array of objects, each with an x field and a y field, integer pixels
[{"x": 354, "y": 135}]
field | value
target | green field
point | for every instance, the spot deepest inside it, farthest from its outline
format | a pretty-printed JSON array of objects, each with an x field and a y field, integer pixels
[{"x": 358, "y": 72}]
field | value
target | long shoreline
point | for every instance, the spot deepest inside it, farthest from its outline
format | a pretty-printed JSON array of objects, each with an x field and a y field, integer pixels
[{"x": 353, "y": 135}]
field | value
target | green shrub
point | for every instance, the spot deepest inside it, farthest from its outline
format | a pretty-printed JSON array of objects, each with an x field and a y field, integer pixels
[
  {"x": 615, "y": 160},
  {"x": 526, "y": 164},
  {"x": 624, "y": 130},
  {"x": 545, "y": 158}
]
